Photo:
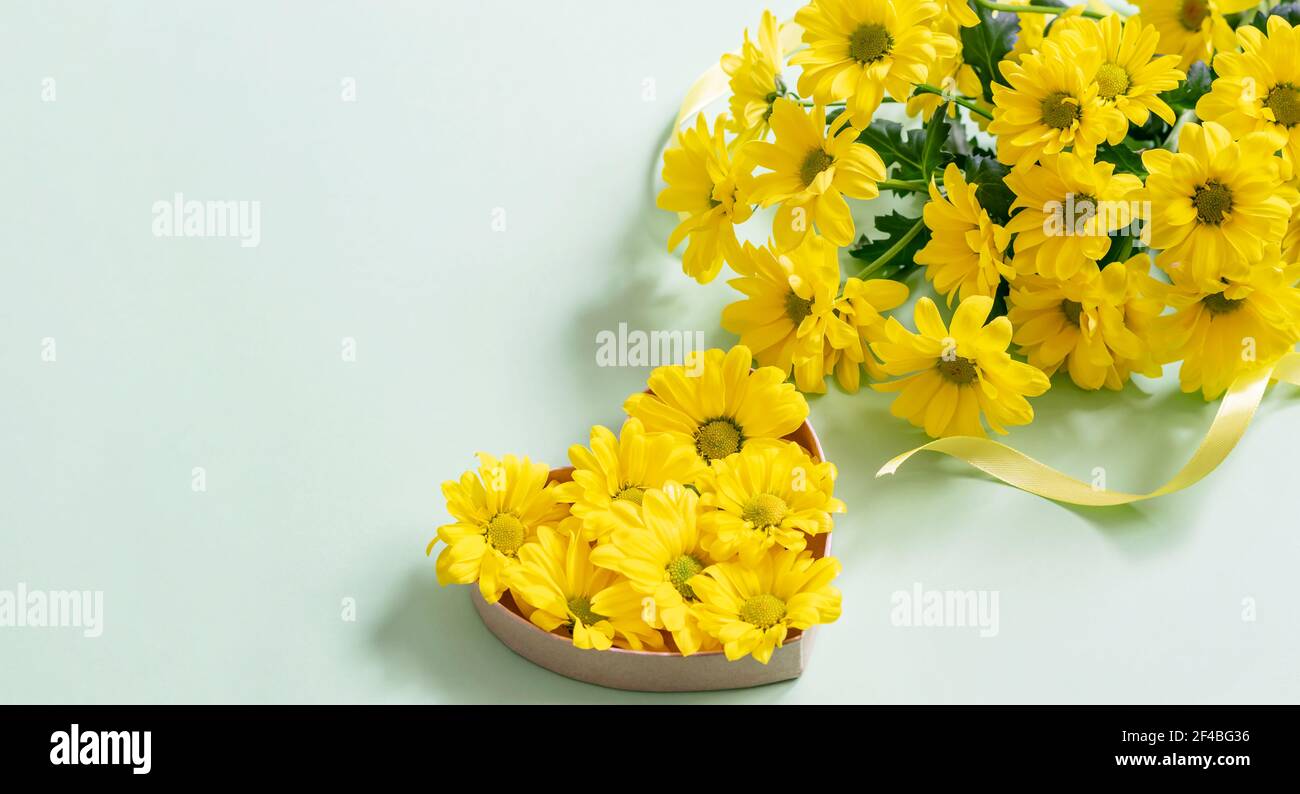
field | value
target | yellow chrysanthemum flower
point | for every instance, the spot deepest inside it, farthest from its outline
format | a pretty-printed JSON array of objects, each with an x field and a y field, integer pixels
[
  {"x": 788, "y": 316},
  {"x": 657, "y": 546},
  {"x": 1118, "y": 56},
  {"x": 766, "y": 497},
  {"x": 860, "y": 49},
  {"x": 954, "y": 376},
  {"x": 1033, "y": 29},
  {"x": 1291, "y": 242},
  {"x": 1259, "y": 88},
  {"x": 598, "y": 608},
  {"x": 621, "y": 469},
  {"x": 755, "y": 79},
  {"x": 1192, "y": 29},
  {"x": 811, "y": 170},
  {"x": 1096, "y": 327},
  {"x": 1049, "y": 105},
  {"x": 952, "y": 73},
  {"x": 959, "y": 12},
  {"x": 707, "y": 185},
  {"x": 717, "y": 405},
  {"x": 1219, "y": 335},
  {"x": 861, "y": 305},
  {"x": 965, "y": 253},
  {"x": 752, "y": 610},
  {"x": 498, "y": 512},
  {"x": 1068, "y": 211},
  {"x": 1216, "y": 203}
]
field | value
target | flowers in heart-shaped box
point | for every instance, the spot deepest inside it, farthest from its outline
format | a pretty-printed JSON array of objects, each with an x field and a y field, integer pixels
[{"x": 700, "y": 526}]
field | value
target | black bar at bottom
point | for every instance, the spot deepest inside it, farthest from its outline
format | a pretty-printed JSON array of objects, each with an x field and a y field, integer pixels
[{"x": 334, "y": 743}]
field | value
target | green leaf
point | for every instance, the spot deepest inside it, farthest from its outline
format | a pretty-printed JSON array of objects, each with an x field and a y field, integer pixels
[
  {"x": 960, "y": 145},
  {"x": 896, "y": 147},
  {"x": 985, "y": 45},
  {"x": 974, "y": 150},
  {"x": 936, "y": 135},
  {"x": 1127, "y": 158},
  {"x": 917, "y": 153},
  {"x": 1121, "y": 248},
  {"x": 894, "y": 227},
  {"x": 993, "y": 193},
  {"x": 1000, "y": 300},
  {"x": 1288, "y": 11},
  {"x": 1152, "y": 133},
  {"x": 1196, "y": 85}
]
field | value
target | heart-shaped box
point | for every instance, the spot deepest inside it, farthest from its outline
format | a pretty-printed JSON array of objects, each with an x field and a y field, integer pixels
[{"x": 651, "y": 671}]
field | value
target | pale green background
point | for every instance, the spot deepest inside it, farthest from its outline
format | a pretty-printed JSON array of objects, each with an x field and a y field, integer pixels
[{"x": 376, "y": 225}]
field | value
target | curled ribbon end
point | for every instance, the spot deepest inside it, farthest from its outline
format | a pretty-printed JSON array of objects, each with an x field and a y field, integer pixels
[
  {"x": 1021, "y": 471},
  {"x": 891, "y": 467}
]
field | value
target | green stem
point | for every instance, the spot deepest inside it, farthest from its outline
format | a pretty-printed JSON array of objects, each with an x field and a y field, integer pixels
[
  {"x": 884, "y": 258},
  {"x": 1031, "y": 9},
  {"x": 966, "y": 102},
  {"x": 1183, "y": 118},
  {"x": 914, "y": 186},
  {"x": 807, "y": 103}
]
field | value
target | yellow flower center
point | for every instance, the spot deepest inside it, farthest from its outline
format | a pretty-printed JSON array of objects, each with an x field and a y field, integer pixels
[
  {"x": 1193, "y": 13},
  {"x": 1213, "y": 202},
  {"x": 680, "y": 572},
  {"x": 764, "y": 611},
  {"x": 816, "y": 162},
  {"x": 1060, "y": 110},
  {"x": 506, "y": 533},
  {"x": 764, "y": 510},
  {"x": 718, "y": 438},
  {"x": 630, "y": 493},
  {"x": 1218, "y": 304},
  {"x": 1112, "y": 80},
  {"x": 1085, "y": 206},
  {"x": 581, "y": 607},
  {"x": 870, "y": 43},
  {"x": 797, "y": 308},
  {"x": 958, "y": 370},
  {"x": 1072, "y": 310},
  {"x": 1284, "y": 101}
]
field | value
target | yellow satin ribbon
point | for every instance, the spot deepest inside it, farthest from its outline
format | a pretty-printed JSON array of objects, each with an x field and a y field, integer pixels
[
  {"x": 707, "y": 88},
  {"x": 1018, "y": 469},
  {"x": 714, "y": 83}
]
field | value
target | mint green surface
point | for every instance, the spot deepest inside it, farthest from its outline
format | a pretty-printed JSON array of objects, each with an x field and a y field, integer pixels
[{"x": 377, "y": 224}]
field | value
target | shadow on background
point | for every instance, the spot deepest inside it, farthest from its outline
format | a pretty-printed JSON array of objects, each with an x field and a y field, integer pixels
[
  {"x": 644, "y": 289},
  {"x": 431, "y": 636}
]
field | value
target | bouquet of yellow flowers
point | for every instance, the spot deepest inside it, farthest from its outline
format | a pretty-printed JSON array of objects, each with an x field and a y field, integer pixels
[
  {"x": 1091, "y": 194},
  {"x": 701, "y": 526}
]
